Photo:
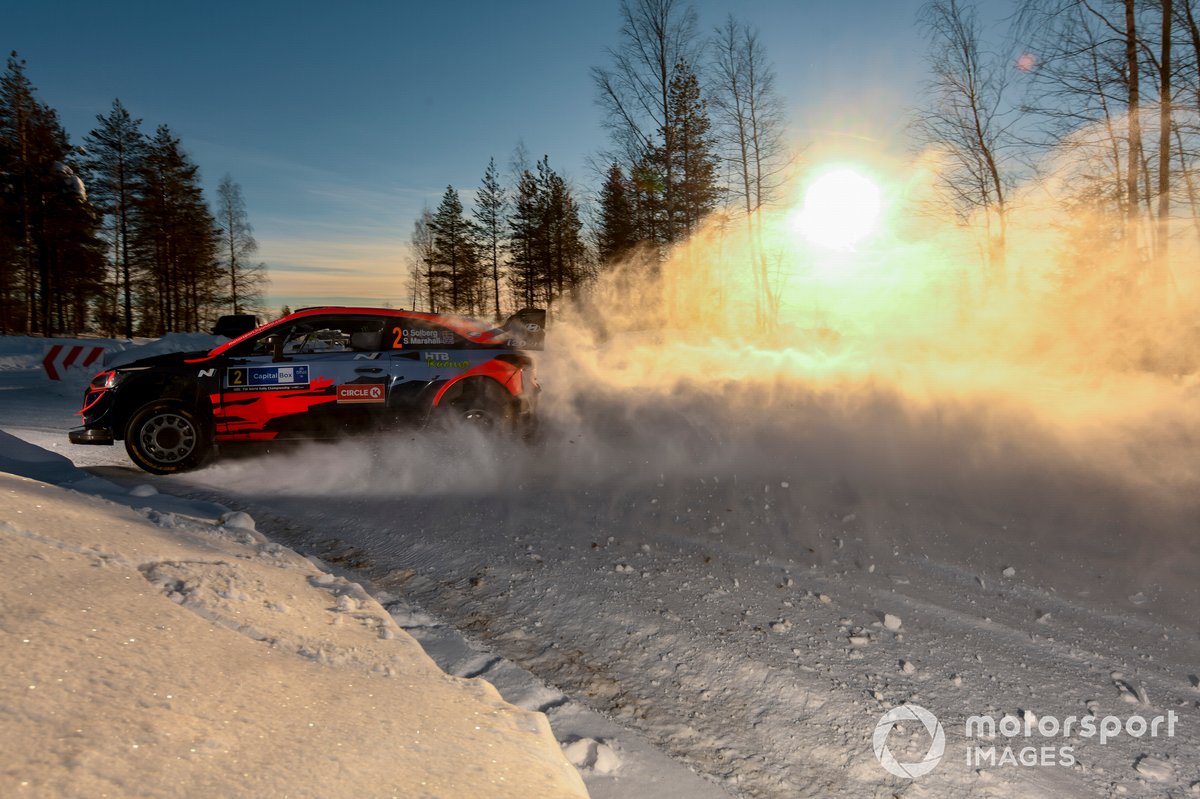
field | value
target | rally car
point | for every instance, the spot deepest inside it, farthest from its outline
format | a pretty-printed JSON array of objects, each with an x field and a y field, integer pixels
[{"x": 317, "y": 373}]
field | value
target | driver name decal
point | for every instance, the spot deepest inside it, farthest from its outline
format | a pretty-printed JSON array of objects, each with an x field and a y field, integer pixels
[{"x": 417, "y": 337}]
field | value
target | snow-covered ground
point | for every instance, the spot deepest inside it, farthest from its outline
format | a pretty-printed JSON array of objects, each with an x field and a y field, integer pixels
[
  {"x": 743, "y": 574},
  {"x": 153, "y": 652}
]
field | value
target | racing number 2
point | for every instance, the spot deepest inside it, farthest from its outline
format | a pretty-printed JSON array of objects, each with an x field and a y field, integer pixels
[
  {"x": 237, "y": 377},
  {"x": 398, "y": 343}
]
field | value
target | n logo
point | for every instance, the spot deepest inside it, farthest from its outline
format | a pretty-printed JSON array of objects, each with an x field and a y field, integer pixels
[{"x": 206, "y": 373}]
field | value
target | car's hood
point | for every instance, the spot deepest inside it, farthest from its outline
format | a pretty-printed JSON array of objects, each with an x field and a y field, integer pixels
[{"x": 157, "y": 361}]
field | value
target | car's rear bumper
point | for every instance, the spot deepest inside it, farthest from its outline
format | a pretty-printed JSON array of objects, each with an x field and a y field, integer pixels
[{"x": 90, "y": 435}]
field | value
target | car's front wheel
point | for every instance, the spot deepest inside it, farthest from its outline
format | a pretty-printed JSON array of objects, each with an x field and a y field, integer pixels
[{"x": 165, "y": 438}]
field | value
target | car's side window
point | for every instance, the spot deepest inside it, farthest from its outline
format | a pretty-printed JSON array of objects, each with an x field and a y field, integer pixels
[
  {"x": 320, "y": 335},
  {"x": 355, "y": 334}
]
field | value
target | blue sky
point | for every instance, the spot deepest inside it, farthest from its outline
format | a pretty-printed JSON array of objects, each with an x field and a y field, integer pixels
[{"x": 341, "y": 121}]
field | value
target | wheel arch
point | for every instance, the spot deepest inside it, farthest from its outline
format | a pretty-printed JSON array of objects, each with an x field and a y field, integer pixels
[
  {"x": 467, "y": 385},
  {"x": 494, "y": 372},
  {"x": 149, "y": 389}
]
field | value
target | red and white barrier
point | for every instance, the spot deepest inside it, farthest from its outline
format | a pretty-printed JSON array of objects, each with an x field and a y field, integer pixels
[{"x": 61, "y": 357}]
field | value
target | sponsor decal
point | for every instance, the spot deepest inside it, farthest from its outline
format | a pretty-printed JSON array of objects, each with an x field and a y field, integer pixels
[
  {"x": 361, "y": 394},
  {"x": 206, "y": 373},
  {"x": 366, "y": 356},
  {"x": 441, "y": 360},
  {"x": 266, "y": 378}
]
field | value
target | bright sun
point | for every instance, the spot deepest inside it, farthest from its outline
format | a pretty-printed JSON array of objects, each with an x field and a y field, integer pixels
[{"x": 841, "y": 208}]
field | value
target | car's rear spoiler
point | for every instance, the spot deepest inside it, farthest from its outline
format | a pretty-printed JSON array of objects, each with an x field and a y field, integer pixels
[{"x": 526, "y": 329}]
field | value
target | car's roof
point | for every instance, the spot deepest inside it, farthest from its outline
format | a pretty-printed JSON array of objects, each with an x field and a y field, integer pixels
[{"x": 472, "y": 329}]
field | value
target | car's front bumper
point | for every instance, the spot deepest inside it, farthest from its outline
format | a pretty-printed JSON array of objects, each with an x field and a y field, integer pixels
[{"x": 90, "y": 435}]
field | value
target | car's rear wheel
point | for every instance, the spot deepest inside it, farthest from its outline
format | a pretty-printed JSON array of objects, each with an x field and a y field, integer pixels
[
  {"x": 482, "y": 405},
  {"x": 165, "y": 438}
]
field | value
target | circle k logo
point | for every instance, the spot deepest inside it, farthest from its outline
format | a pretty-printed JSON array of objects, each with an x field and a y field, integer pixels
[{"x": 937, "y": 746}]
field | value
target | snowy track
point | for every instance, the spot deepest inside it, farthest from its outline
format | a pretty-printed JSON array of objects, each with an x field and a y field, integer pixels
[{"x": 751, "y": 592}]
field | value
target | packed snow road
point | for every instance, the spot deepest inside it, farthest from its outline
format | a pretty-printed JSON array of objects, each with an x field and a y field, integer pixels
[{"x": 751, "y": 576}]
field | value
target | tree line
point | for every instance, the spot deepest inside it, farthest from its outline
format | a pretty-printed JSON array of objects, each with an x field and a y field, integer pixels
[
  {"x": 522, "y": 248},
  {"x": 116, "y": 235},
  {"x": 1103, "y": 96},
  {"x": 695, "y": 126}
]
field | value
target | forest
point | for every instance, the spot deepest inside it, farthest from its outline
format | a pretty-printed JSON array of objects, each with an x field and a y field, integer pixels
[
  {"x": 1094, "y": 102},
  {"x": 1059, "y": 141},
  {"x": 114, "y": 236}
]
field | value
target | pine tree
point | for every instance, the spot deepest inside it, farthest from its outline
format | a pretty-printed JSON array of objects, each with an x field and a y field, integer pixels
[
  {"x": 115, "y": 149},
  {"x": 694, "y": 167},
  {"x": 648, "y": 200},
  {"x": 616, "y": 235},
  {"x": 176, "y": 242},
  {"x": 525, "y": 224},
  {"x": 490, "y": 203},
  {"x": 237, "y": 245},
  {"x": 547, "y": 209},
  {"x": 454, "y": 258},
  {"x": 656, "y": 35},
  {"x": 565, "y": 255},
  {"x": 47, "y": 227},
  {"x": 548, "y": 258}
]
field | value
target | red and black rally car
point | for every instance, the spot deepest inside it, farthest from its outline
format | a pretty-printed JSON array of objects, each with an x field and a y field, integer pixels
[{"x": 317, "y": 373}]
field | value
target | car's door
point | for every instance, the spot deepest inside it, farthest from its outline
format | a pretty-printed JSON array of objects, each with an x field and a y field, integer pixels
[
  {"x": 310, "y": 378},
  {"x": 424, "y": 356}
]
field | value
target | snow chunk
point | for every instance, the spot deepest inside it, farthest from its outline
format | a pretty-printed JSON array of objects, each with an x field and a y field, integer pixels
[
  {"x": 237, "y": 520},
  {"x": 1153, "y": 768},
  {"x": 592, "y": 755},
  {"x": 891, "y": 623},
  {"x": 1009, "y": 571},
  {"x": 143, "y": 490}
]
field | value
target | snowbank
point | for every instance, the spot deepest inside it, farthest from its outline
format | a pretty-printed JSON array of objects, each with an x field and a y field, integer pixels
[
  {"x": 172, "y": 342},
  {"x": 154, "y": 653}
]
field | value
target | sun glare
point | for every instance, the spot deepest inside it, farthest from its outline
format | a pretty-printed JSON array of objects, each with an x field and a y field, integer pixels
[{"x": 841, "y": 208}]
